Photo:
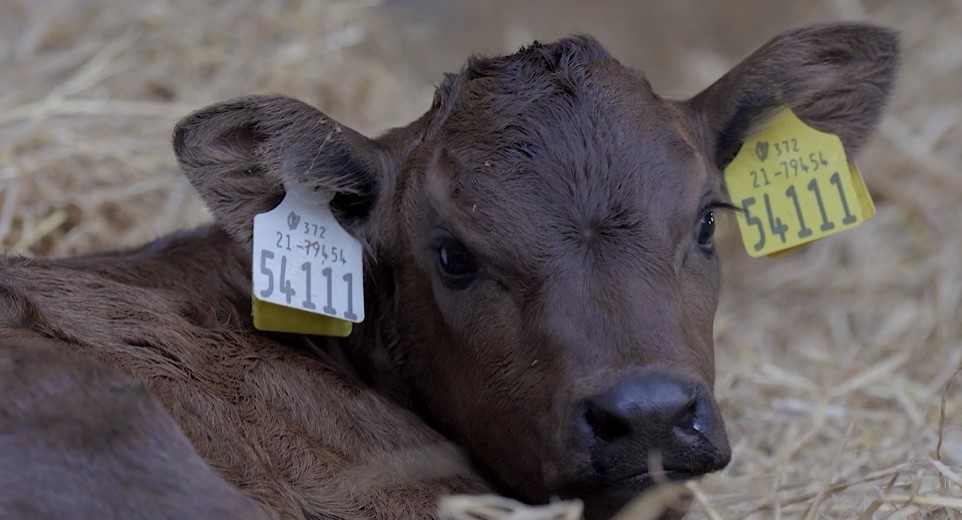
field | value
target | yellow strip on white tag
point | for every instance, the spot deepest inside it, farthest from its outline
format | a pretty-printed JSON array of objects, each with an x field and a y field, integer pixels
[{"x": 272, "y": 317}]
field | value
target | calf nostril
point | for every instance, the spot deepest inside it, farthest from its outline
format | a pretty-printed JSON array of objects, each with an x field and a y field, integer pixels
[
  {"x": 607, "y": 426},
  {"x": 686, "y": 416}
]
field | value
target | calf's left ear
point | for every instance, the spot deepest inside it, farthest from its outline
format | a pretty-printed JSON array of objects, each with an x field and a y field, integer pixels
[
  {"x": 240, "y": 154},
  {"x": 836, "y": 77}
]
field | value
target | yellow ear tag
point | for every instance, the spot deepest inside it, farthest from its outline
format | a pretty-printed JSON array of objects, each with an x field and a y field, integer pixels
[
  {"x": 307, "y": 270},
  {"x": 794, "y": 186}
]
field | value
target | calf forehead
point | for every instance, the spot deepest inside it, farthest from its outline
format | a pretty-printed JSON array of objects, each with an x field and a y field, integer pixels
[{"x": 536, "y": 157}]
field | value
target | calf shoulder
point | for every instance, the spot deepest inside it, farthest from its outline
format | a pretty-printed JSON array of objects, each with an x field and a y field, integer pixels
[
  {"x": 270, "y": 412},
  {"x": 77, "y": 440}
]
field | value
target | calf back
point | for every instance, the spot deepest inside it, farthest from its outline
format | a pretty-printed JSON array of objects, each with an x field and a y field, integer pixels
[
  {"x": 80, "y": 441},
  {"x": 272, "y": 414}
]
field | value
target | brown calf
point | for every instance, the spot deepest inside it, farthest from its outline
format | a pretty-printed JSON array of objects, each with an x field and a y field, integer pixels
[{"x": 540, "y": 286}]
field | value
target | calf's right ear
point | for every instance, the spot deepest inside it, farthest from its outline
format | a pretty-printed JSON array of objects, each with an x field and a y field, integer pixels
[
  {"x": 240, "y": 154},
  {"x": 836, "y": 77}
]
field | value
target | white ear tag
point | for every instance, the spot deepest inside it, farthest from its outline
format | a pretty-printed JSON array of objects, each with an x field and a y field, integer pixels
[{"x": 305, "y": 261}]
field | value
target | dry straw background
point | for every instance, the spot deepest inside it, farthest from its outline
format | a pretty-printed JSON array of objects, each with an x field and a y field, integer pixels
[{"x": 835, "y": 363}]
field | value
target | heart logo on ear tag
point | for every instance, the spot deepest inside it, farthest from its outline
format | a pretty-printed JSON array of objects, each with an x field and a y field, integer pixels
[
  {"x": 807, "y": 191},
  {"x": 761, "y": 150},
  {"x": 307, "y": 270},
  {"x": 293, "y": 220}
]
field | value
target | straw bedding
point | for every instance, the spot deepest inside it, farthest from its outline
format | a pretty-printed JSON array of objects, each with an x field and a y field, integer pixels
[{"x": 835, "y": 363}]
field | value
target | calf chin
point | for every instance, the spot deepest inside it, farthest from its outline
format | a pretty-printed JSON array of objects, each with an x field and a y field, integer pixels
[{"x": 666, "y": 504}]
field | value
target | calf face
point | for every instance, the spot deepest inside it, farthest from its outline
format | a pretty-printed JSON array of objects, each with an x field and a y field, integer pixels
[{"x": 542, "y": 278}]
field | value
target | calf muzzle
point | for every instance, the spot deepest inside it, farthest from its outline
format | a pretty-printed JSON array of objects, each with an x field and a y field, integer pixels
[{"x": 645, "y": 429}]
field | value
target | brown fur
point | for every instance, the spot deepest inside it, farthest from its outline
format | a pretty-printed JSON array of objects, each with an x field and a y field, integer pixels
[
  {"x": 76, "y": 437},
  {"x": 279, "y": 420},
  {"x": 580, "y": 193}
]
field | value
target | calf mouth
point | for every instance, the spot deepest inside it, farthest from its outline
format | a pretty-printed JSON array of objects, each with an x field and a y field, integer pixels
[{"x": 604, "y": 500}]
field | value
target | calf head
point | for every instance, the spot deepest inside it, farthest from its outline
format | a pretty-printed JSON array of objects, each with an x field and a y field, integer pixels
[{"x": 541, "y": 242}]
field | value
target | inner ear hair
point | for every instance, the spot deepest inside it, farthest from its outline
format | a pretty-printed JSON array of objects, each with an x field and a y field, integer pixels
[
  {"x": 835, "y": 77},
  {"x": 241, "y": 153}
]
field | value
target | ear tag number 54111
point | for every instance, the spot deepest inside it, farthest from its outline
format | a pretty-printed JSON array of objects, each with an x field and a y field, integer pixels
[
  {"x": 794, "y": 186},
  {"x": 307, "y": 270}
]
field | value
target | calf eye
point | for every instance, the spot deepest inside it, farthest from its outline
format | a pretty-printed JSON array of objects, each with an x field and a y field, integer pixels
[
  {"x": 706, "y": 231},
  {"x": 457, "y": 265}
]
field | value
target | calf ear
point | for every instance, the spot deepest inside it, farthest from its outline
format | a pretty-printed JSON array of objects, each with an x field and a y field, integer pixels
[
  {"x": 835, "y": 77},
  {"x": 240, "y": 154}
]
